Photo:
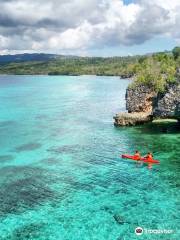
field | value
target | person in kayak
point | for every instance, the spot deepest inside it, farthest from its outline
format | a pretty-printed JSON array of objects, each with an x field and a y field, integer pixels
[
  {"x": 149, "y": 157},
  {"x": 137, "y": 155}
]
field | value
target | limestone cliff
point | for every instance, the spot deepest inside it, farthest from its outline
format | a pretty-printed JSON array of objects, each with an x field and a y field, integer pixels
[
  {"x": 167, "y": 105},
  {"x": 143, "y": 105},
  {"x": 139, "y": 99}
]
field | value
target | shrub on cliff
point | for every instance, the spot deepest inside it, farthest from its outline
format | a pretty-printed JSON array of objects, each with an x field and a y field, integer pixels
[
  {"x": 176, "y": 52},
  {"x": 155, "y": 72}
]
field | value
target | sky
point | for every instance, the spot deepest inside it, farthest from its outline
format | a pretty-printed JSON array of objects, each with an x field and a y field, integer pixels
[{"x": 89, "y": 27}]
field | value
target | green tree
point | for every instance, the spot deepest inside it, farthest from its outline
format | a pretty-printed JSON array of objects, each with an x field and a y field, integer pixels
[
  {"x": 176, "y": 52},
  {"x": 156, "y": 72}
]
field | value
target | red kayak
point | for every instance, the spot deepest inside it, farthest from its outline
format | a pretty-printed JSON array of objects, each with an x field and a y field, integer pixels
[{"x": 141, "y": 159}]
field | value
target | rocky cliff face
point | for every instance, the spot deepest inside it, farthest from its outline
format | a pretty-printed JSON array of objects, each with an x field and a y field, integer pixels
[
  {"x": 139, "y": 103},
  {"x": 143, "y": 105},
  {"x": 139, "y": 99},
  {"x": 167, "y": 105}
]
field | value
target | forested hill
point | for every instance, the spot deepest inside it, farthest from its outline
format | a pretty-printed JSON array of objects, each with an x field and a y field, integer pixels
[
  {"x": 4, "y": 59},
  {"x": 67, "y": 65},
  {"x": 52, "y": 64}
]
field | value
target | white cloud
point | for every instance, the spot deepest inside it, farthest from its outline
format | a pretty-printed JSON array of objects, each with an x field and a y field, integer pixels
[
  {"x": 72, "y": 38},
  {"x": 61, "y": 25},
  {"x": 4, "y": 42}
]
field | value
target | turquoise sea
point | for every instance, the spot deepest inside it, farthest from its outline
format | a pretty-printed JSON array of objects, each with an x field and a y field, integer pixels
[{"x": 61, "y": 175}]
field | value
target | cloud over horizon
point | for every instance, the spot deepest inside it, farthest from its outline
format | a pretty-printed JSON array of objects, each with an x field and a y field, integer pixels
[{"x": 61, "y": 25}]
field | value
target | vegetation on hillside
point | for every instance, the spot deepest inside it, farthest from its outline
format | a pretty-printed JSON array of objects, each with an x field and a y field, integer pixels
[
  {"x": 114, "y": 66},
  {"x": 176, "y": 52},
  {"x": 156, "y": 70}
]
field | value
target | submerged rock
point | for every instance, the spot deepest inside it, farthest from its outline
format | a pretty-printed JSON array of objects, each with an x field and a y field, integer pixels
[
  {"x": 118, "y": 219},
  {"x": 28, "y": 147}
]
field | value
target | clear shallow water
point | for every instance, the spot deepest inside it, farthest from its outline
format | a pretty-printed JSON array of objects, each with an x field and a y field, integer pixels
[{"x": 60, "y": 172}]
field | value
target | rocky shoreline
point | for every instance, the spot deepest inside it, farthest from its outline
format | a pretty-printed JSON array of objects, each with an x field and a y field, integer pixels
[
  {"x": 131, "y": 119},
  {"x": 144, "y": 105}
]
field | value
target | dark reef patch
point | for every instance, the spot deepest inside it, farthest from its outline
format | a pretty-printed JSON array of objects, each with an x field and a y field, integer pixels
[
  {"x": 100, "y": 160},
  {"x": 30, "y": 231},
  {"x": 28, "y": 147},
  {"x": 123, "y": 180},
  {"x": 50, "y": 161},
  {"x": 119, "y": 219},
  {"x": 107, "y": 209},
  {"x": 81, "y": 186},
  {"x": 122, "y": 190},
  {"x": 4, "y": 158},
  {"x": 41, "y": 116},
  {"x": 76, "y": 184},
  {"x": 67, "y": 149},
  {"x": 29, "y": 189},
  {"x": 6, "y": 123}
]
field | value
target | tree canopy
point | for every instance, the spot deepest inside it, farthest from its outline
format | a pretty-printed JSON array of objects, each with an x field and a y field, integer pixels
[
  {"x": 155, "y": 71},
  {"x": 176, "y": 52}
]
